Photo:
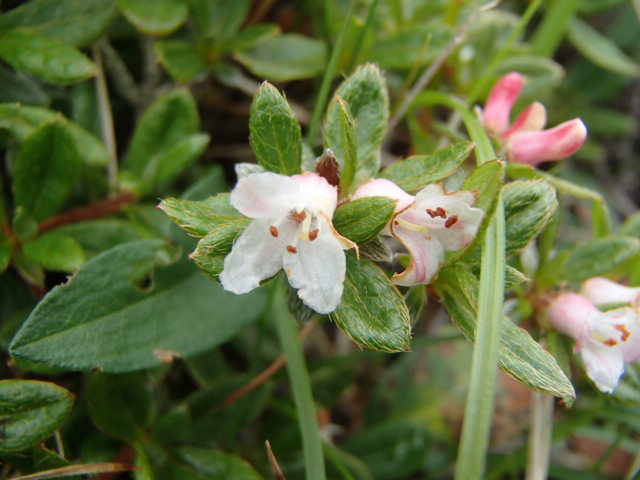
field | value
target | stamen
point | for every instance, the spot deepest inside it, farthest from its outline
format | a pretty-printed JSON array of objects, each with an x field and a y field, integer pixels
[
  {"x": 431, "y": 213},
  {"x": 292, "y": 249},
  {"x": 305, "y": 227},
  {"x": 274, "y": 231},
  {"x": 299, "y": 216},
  {"x": 399, "y": 222},
  {"x": 438, "y": 212},
  {"x": 313, "y": 234},
  {"x": 625, "y": 331},
  {"x": 610, "y": 342},
  {"x": 451, "y": 221}
]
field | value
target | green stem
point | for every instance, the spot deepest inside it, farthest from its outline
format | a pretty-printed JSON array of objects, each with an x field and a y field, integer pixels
[
  {"x": 328, "y": 77},
  {"x": 362, "y": 35},
  {"x": 540, "y": 436},
  {"x": 288, "y": 334},
  {"x": 474, "y": 443}
]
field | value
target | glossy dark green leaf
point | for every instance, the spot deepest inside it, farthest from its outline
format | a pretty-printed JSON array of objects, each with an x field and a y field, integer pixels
[
  {"x": 21, "y": 121},
  {"x": 30, "y": 412},
  {"x": 76, "y": 22},
  {"x": 372, "y": 311},
  {"x": 200, "y": 217},
  {"x": 363, "y": 219},
  {"x": 155, "y": 17},
  {"x": 528, "y": 207},
  {"x": 48, "y": 59},
  {"x": 54, "y": 251},
  {"x": 520, "y": 355},
  {"x": 218, "y": 19},
  {"x": 285, "y": 57},
  {"x": 18, "y": 87},
  {"x": 597, "y": 257},
  {"x": 134, "y": 316},
  {"x": 120, "y": 405},
  {"x": 198, "y": 463},
  {"x": 46, "y": 170},
  {"x": 275, "y": 132},
  {"x": 365, "y": 93},
  {"x": 181, "y": 59},
  {"x": 414, "y": 173}
]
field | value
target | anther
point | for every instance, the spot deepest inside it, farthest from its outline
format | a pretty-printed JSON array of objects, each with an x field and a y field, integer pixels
[
  {"x": 313, "y": 234},
  {"x": 299, "y": 216},
  {"x": 625, "y": 331},
  {"x": 292, "y": 249},
  {"x": 274, "y": 231},
  {"x": 432, "y": 213},
  {"x": 441, "y": 212},
  {"x": 451, "y": 221},
  {"x": 610, "y": 342}
]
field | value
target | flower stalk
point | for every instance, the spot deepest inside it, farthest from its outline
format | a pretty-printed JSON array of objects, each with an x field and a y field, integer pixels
[{"x": 540, "y": 436}]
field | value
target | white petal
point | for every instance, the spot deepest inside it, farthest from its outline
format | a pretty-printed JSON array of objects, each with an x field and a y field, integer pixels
[
  {"x": 381, "y": 187},
  {"x": 255, "y": 256},
  {"x": 426, "y": 257},
  {"x": 317, "y": 270},
  {"x": 266, "y": 195},
  {"x": 604, "y": 365},
  {"x": 602, "y": 291},
  {"x": 622, "y": 325},
  {"x": 317, "y": 193}
]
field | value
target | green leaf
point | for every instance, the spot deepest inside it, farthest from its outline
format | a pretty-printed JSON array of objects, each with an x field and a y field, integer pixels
[
  {"x": 21, "y": 121},
  {"x": 365, "y": 92},
  {"x": 165, "y": 166},
  {"x": 211, "y": 250},
  {"x": 218, "y": 19},
  {"x": 120, "y": 405},
  {"x": 76, "y": 22},
  {"x": 414, "y": 173},
  {"x": 276, "y": 138},
  {"x": 372, "y": 311},
  {"x": 164, "y": 125},
  {"x": 363, "y": 219},
  {"x": 200, "y": 217},
  {"x": 181, "y": 59},
  {"x": 600, "y": 50},
  {"x": 285, "y": 57},
  {"x": 155, "y": 17},
  {"x": 597, "y": 257},
  {"x": 406, "y": 49},
  {"x": 520, "y": 355},
  {"x": 6, "y": 250},
  {"x": 54, "y": 251},
  {"x": 134, "y": 317},
  {"x": 348, "y": 146},
  {"x": 631, "y": 226},
  {"x": 30, "y": 412},
  {"x": 46, "y": 170},
  {"x": 528, "y": 205},
  {"x": 48, "y": 59},
  {"x": 198, "y": 463},
  {"x": 18, "y": 87},
  {"x": 95, "y": 236},
  {"x": 251, "y": 37}
]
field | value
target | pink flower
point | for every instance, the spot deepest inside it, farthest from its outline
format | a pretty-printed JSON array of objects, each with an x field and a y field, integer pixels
[
  {"x": 291, "y": 230},
  {"x": 605, "y": 340},
  {"x": 427, "y": 225},
  {"x": 602, "y": 291},
  {"x": 525, "y": 141}
]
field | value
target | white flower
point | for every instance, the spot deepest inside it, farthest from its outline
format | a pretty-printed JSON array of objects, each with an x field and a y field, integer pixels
[
  {"x": 291, "y": 230},
  {"x": 428, "y": 224},
  {"x": 605, "y": 340},
  {"x": 602, "y": 291}
]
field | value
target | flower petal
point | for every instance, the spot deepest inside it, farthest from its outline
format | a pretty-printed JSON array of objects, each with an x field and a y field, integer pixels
[
  {"x": 381, "y": 187},
  {"x": 255, "y": 256},
  {"x": 602, "y": 291},
  {"x": 534, "y": 117},
  {"x": 318, "y": 270},
  {"x": 604, "y": 365},
  {"x": 266, "y": 195},
  {"x": 426, "y": 256},
  {"x": 497, "y": 110},
  {"x": 556, "y": 143},
  {"x": 316, "y": 193},
  {"x": 574, "y": 315}
]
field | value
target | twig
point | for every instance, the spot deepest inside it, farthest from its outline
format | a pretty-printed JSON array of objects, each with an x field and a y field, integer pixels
[
  {"x": 430, "y": 72},
  {"x": 259, "y": 13},
  {"x": 266, "y": 374},
  {"x": 97, "y": 210},
  {"x": 540, "y": 437},
  {"x": 106, "y": 118},
  {"x": 277, "y": 471},
  {"x": 72, "y": 470}
]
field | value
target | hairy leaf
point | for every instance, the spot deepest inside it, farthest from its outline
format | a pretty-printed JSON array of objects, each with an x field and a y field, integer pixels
[{"x": 362, "y": 219}]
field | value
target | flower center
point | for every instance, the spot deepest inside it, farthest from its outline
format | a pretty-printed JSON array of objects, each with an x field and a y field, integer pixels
[
  {"x": 305, "y": 231},
  {"x": 609, "y": 338}
]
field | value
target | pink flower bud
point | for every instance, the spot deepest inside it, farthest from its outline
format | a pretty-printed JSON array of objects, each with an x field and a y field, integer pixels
[
  {"x": 573, "y": 315},
  {"x": 497, "y": 110},
  {"x": 534, "y": 147},
  {"x": 534, "y": 117},
  {"x": 602, "y": 291}
]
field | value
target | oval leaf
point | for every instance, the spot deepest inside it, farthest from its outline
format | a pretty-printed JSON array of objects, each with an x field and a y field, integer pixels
[
  {"x": 54, "y": 251},
  {"x": 372, "y": 311},
  {"x": 155, "y": 17},
  {"x": 134, "y": 320},
  {"x": 52, "y": 61},
  {"x": 362, "y": 219},
  {"x": 597, "y": 257},
  {"x": 276, "y": 138},
  {"x": 199, "y": 218},
  {"x": 31, "y": 411}
]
